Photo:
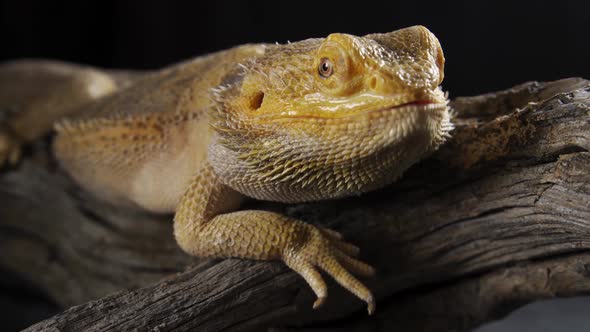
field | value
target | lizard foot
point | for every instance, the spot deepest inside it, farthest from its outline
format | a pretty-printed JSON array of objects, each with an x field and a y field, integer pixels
[
  {"x": 318, "y": 247},
  {"x": 10, "y": 147}
]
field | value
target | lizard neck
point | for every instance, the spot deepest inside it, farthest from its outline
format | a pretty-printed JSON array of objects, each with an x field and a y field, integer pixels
[{"x": 346, "y": 157}]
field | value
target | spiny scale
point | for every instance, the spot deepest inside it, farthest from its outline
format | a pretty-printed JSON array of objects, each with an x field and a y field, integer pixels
[{"x": 254, "y": 121}]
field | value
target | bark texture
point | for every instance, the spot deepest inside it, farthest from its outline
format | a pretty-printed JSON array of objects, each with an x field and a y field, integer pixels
[{"x": 499, "y": 217}]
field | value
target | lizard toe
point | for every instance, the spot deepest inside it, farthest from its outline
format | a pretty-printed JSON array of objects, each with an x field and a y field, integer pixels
[
  {"x": 354, "y": 265},
  {"x": 312, "y": 277},
  {"x": 332, "y": 256},
  {"x": 10, "y": 148}
]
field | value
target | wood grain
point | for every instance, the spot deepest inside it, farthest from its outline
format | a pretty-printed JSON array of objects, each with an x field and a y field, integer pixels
[{"x": 498, "y": 218}]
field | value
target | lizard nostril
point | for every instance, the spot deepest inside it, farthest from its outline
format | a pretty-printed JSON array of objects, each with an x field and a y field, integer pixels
[
  {"x": 373, "y": 83},
  {"x": 257, "y": 100},
  {"x": 378, "y": 83}
]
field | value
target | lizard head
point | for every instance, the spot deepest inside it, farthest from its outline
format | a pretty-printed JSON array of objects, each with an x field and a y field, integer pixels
[{"x": 338, "y": 115}]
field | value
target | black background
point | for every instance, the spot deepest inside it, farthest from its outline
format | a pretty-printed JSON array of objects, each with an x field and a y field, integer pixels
[{"x": 489, "y": 45}]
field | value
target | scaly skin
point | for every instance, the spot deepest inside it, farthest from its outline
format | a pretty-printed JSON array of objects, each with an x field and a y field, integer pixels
[
  {"x": 312, "y": 120},
  {"x": 35, "y": 93}
]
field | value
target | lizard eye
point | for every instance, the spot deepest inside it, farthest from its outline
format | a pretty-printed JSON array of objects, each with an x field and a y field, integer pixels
[{"x": 325, "y": 68}]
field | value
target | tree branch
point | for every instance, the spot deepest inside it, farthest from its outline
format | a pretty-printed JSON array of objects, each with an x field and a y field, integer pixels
[{"x": 496, "y": 219}]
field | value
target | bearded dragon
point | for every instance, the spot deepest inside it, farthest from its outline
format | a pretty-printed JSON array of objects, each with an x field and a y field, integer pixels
[{"x": 312, "y": 120}]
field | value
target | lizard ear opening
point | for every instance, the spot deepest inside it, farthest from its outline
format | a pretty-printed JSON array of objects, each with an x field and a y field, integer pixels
[{"x": 256, "y": 100}]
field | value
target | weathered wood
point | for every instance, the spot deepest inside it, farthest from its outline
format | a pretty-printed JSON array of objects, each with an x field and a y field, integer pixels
[{"x": 498, "y": 218}]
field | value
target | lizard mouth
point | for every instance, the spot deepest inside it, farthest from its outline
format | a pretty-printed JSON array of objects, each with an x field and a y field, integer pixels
[
  {"x": 418, "y": 105},
  {"x": 425, "y": 104},
  {"x": 422, "y": 103},
  {"x": 435, "y": 100}
]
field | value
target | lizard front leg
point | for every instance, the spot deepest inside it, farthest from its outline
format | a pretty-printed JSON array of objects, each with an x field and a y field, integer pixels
[{"x": 207, "y": 224}]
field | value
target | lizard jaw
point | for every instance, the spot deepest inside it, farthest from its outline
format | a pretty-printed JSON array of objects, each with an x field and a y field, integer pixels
[{"x": 418, "y": 105}]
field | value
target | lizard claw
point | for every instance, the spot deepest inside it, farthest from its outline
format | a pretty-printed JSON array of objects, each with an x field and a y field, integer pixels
[
  {"x": 319, "y": 302},
  {"x": 319, "y": 248},
  {"x": 10, "y": 147}
]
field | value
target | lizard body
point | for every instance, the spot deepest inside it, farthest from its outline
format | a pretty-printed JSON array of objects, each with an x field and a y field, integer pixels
[{"x": 312, "y": 120}]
